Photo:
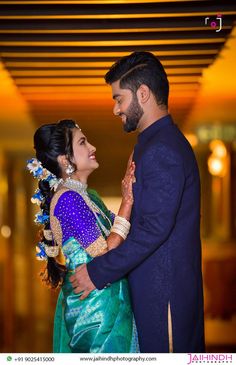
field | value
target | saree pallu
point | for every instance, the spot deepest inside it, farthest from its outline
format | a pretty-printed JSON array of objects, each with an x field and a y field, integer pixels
[{"x": 101, "y": 323}]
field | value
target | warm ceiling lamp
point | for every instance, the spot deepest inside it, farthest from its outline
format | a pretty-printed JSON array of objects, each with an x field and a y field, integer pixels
[{"x": 217, "y": 161}]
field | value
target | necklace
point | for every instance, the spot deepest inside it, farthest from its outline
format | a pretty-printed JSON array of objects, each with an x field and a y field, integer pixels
[
  {"x": 75, "y": 185},
  {"x": 81, "y": 188}
]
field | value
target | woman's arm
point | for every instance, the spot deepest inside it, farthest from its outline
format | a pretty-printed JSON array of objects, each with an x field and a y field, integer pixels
[{"x": 114, "y": 239}]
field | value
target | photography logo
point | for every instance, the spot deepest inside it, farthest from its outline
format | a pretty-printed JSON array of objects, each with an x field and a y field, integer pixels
[
  {"x": 214, "y": 23},
  {"x": 205, "y": 359}
]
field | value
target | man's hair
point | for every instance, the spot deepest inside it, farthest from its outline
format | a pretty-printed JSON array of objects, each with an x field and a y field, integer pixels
[{"x": 141, "y": 68}]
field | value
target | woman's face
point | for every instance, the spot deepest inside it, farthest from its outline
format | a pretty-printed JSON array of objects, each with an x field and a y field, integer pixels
[{"x": 84, "y": 154}]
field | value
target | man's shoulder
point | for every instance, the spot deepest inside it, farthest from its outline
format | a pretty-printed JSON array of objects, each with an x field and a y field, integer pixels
[
  {"x": 161, "y": 150},
  {"x": 171, "y": 144},
  {"x": 173, "y": 138}
]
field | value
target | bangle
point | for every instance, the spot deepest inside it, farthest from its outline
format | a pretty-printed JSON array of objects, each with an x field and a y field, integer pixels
[
  {"x": 121, "y": 220},
  {"x": 121, "y": 233},
  {"x": 121, "y": 226}
]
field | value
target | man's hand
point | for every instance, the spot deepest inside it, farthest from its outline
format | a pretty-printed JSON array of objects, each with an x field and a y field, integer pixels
[{"x": 81, "y": 282}]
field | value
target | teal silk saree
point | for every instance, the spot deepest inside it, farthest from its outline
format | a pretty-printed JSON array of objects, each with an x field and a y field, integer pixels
[{"x": 103, "y": 322}]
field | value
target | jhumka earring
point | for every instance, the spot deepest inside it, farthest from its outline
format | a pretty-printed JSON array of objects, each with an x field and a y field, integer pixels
[{"x": 69, "y": 170}]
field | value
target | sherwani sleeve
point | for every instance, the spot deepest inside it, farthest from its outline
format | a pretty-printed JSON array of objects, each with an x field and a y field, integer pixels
[{"x": 162, "y": 188}]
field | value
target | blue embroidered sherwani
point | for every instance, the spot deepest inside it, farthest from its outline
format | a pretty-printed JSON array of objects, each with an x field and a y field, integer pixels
[{"x": 162, "y": 253}]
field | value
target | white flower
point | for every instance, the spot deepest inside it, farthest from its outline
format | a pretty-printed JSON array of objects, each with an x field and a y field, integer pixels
[
  {"x": 34, "y": 165},
  {"x": 54, "y": 182}
]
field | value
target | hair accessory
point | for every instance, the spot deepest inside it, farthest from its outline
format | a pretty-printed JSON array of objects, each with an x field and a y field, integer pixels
[
  {"x": 41, "y": 218},
  {"x": 48, "y": 234},
  {"x": 54, "y": 182},
  {"x": 69, "y": 169},
  {"x": 40, "y": 252},
  {"x": 39, "y": 172},
  {"x": 37, "y": 198},
  {"x": 52, "y": 251},
  {"x": 44, "y": 251},
  {"x": 35, "y": 167},
  {"x": 77, "y": 126}
]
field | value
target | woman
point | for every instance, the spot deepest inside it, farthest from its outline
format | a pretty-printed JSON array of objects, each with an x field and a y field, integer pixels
[{"x": 78, "y": 227}]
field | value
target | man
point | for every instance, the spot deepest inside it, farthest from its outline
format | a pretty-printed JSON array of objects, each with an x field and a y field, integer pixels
[{"x": 162, "y": 253}]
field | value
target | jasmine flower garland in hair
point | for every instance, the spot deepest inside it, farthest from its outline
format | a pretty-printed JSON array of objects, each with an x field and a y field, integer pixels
[
  {"x": 40, "y": 252},
  {"x": 41, "y": 218},
  {"x": 39, "y": 172},
  {"x": 35, "y": 167},
  {"x": 37, "y": 198},
  {"x": 53, "y": 181}
]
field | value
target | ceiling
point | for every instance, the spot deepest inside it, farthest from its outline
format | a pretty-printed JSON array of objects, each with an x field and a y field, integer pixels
[{"x": 57, "y": 53}]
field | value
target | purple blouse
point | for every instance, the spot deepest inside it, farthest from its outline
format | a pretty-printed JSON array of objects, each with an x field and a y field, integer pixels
[{"x": 76, "y": 219}]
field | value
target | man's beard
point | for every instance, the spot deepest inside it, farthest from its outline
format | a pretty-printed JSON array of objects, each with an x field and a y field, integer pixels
[{"x": 133, "y": 115}]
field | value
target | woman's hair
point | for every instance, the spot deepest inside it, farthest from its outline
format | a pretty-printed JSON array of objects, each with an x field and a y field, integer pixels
[{"x": 51, "y": 141}]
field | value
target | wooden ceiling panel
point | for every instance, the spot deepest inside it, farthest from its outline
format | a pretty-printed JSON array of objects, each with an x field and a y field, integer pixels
[{"x": 57, "y": 52}]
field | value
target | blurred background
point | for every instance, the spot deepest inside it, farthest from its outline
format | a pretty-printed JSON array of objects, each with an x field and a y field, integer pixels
[{"x": 53, "y": 56}]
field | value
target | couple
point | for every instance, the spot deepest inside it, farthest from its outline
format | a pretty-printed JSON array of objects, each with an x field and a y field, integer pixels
[{"x": 107, "y": 265}]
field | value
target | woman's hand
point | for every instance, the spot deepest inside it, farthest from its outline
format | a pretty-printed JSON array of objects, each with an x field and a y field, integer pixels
[
  {"x": 127, "y": 183},
  {"x": 114, "y": 239}
]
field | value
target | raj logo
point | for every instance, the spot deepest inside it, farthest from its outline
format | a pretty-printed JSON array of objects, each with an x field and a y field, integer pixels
[{"x": 216, "y": 23}]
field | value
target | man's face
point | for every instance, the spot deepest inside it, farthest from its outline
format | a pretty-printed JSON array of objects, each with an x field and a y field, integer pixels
[{"x": 126, "y": 106}]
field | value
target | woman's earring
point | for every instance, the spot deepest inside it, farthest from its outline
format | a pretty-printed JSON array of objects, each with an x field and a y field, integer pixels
[{"x": 69, "y": 169}]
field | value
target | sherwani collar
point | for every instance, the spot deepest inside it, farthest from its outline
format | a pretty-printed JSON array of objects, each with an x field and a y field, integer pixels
[{"x": 154, "y": 128}]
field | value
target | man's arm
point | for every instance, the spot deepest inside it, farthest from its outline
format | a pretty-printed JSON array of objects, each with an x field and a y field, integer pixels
[{"x": 163, "y": 185}]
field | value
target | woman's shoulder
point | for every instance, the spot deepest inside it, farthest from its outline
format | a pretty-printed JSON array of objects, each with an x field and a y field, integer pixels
[
  {"x": 65, "y": 194},
  {"x": 64, "y": 199}
]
